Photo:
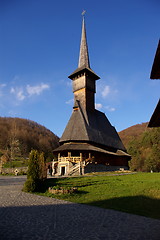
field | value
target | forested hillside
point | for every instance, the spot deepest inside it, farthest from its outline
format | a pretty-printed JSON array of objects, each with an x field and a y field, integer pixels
[
  {"x": 143, "y": 144},
  {"x": 132, "y": 132},
  {"x": 19, "y": 136}
]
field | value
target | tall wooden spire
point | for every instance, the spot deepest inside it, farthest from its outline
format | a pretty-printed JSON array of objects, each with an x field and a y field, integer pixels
[
  {"x": 83, "y": 77},
  {"x": 83, "y": 54},
  {"x": 83, "y": 63}
]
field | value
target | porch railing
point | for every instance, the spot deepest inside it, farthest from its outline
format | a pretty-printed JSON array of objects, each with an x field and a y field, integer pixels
[{"x": 70, "y": 159}]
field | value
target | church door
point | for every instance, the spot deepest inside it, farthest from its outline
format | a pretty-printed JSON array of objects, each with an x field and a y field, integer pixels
[{"x": 62, "y": 170}]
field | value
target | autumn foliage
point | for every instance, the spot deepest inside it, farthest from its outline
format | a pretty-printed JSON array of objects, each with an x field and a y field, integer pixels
[
  {"x": 143, "y": 144},
  {"x": 19, "y": 136}
]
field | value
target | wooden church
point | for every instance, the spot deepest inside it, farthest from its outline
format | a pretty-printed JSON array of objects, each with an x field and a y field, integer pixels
[
  {"x": 155, "y": 74},
  {"x": 89, "y": 142}
]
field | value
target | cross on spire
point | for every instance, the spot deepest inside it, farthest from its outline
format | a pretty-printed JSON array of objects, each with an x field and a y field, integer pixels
[{"x": 83, "y": 13}]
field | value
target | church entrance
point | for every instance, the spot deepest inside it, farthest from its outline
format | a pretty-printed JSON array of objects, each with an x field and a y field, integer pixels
[{"x": 63, "y": 171}]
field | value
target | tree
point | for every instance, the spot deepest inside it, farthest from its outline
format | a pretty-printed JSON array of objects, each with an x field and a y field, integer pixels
[
  {"x": 36, "y": 171},
  {"x": 42, "y": 167},
  {"x": 153, "y": 162},
  {"x": 145, "y": 151},
  {"x": 19, "y": 136}
]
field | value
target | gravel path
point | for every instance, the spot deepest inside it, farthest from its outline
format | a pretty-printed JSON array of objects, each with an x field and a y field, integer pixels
[{"x": 28, "y": 216}]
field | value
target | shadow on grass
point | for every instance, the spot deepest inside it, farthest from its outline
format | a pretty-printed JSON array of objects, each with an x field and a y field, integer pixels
[
  {"x": 139, "y": 205},
  {"x": 43, "y": 189},
  {"x": 51, "y": 182}
]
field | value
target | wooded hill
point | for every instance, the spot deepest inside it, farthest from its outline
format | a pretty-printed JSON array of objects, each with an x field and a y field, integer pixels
[
  {"x": 19, "y": 136},
  {"x": 143, "y": 144},
  {"x": 132, "y": 132}
]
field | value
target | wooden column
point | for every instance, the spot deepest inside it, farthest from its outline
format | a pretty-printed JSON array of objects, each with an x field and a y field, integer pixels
[
  {"x": 81, "y": 171},
  {"x": 80, "y": 168},
  {"x": 69, "y": 155},
  {"x": 81, "y": 157}
]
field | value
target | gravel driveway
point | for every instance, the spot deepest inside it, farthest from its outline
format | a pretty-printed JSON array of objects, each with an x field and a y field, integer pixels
[{"x": 28, "y": 216}]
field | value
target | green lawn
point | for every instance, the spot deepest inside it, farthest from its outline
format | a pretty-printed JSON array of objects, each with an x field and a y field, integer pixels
[
  {"x": 137, "y": 193},
  {"x": 15, "y": 163}
]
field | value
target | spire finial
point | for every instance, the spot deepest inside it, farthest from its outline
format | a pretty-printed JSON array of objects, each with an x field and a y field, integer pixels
[
  {"x": 83, "y": 55},
  {"x": 83, "y": 13}
]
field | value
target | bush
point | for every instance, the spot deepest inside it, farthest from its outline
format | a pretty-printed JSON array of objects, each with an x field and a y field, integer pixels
[
  {"x": 30, "y": 185},
  {"x": 33, "y": 165},
  {"x": 36, "y": 170}
]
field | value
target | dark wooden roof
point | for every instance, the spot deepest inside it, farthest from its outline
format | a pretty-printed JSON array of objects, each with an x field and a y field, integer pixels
[
  {"x": 87, "y": 147},
  {"x": 83, "y": 69},
  {"x": 155, "y": 72},
  {"x": 155, "y": 119},
  {"x": 83, "y": 54},
  {"x": 84, "y": 64},
  {"x": 91, "y": 126}
]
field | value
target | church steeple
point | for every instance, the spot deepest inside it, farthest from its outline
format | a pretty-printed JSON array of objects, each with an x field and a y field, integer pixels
[
  {"x": 83, "y": 63},
  {"x": 83, "y": 77},
  {"x": 83, "y": 54},
  {"x": 88, "y": 133}
]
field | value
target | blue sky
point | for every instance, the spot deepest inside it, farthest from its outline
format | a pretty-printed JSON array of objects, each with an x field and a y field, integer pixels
[{"x": 39, "y": 49}]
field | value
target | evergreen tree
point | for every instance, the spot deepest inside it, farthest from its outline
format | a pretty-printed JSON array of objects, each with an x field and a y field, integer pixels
[
  {"x": 33, "y": 165},
  {"x": 36, "y": 171},
  {"x": 42, "y": 167}
]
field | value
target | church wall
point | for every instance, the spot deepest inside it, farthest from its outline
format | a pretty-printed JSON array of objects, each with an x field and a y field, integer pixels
[
  {"x": 90, "y": 100},
  {"x": 90, "y": 84},
  {"x": 84, "y": 90},
  {"x": 79, "y": 83},
  {"x": 91, "y": 167},
  {"x": 110, "y": 160},
  {"x": 86, "y": 98}
]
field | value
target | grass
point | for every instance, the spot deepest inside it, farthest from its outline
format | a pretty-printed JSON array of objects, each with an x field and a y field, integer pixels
[
  {"x": 15, "y": 163},
  {"x": 137, "y": 194}
]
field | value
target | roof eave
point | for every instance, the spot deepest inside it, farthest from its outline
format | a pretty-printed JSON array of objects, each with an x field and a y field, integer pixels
[
  {"x": 155, "y": 118},
  {"x": 84, "y": 69},
  {"x": 155, "y": 72}
]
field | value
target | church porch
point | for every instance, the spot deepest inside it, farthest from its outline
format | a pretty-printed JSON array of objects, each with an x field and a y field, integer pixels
[
  {"x": 78, "y": 159},
  {"x": 71, "y": 163}
]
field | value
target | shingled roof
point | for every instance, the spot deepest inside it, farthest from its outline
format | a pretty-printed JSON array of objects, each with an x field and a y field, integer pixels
[
  {"x": 91, "y": 126},
  {"x": 84, "y": 69},
  {"x": 83, "y": 54},
  {"x": 87, "y": 147},
  {"x": 155, "y": 119},
  {"x": 84, "y": 63},
  {"x": 155, "y": 72}
]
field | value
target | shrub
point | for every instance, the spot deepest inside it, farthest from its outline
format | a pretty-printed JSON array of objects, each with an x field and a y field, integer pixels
[
  {"x": 30, "y": 185},
  {"x": 36, "y": 171}
]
